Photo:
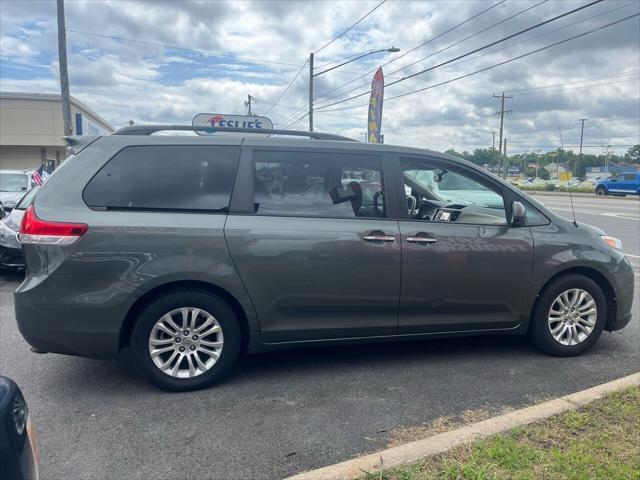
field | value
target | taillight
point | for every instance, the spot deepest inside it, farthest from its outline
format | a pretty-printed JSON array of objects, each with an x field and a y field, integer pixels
[{"x": 36, "y": 231}]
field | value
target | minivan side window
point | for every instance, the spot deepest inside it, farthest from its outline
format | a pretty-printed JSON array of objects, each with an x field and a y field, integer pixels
[
  {"x": 318, "y": 184},
  {"x": 437, "y": 194},
  {"x": 182, "y": 178}
]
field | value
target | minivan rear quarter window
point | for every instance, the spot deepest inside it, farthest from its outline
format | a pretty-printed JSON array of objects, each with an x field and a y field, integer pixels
[
  {"x": 183, "y": 178},
  {"x": 311, "y": 184}
]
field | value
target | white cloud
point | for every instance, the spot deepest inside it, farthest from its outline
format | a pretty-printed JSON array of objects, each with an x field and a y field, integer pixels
[{"x": 144, "y": 81}]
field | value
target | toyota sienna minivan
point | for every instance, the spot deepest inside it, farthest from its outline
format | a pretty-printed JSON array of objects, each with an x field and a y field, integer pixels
[{"x": 193, "y": 250}]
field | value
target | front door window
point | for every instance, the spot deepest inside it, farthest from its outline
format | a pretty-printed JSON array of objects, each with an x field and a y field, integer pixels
[{"x": 436, "y": 194}]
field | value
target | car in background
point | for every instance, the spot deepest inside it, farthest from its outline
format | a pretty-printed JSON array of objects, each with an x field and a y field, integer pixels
[
  {"x": 627, "y": 183},
  {"x": 17, "y": 440},
  {"x": 10, "y": 249},
  {"x": 13, "y": 185}
]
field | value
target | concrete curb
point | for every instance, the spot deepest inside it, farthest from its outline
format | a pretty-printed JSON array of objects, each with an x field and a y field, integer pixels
[{"x": 415, "y": 451}]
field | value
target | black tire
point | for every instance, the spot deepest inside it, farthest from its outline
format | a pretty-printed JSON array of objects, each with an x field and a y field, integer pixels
[
  {"x": 539, "y": 331},
  {"x": 601, "y": 191},
  {"x": 167, "y": 302}
]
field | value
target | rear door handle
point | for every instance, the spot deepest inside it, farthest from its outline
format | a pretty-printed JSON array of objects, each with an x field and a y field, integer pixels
[
  {"x": 422, "y": 239},
  {"x": 378, "y": 237}
]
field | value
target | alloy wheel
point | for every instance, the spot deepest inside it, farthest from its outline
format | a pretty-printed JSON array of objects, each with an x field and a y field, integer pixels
[
  {"x": 186, "y": 342},
  {"x": 572, "y": 316}
]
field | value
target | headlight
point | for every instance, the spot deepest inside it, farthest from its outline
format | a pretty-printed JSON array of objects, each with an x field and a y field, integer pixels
[{"x": 612, "y": 242}]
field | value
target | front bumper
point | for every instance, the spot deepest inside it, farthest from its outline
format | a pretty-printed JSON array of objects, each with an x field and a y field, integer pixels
[{"x": 623, "y": 280}]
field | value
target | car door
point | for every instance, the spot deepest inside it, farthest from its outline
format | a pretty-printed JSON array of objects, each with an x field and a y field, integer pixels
[
  {"x": 628, "y": 184},
  {"x": 464, "y": 268},
  {"x": 314, "y": 243}
]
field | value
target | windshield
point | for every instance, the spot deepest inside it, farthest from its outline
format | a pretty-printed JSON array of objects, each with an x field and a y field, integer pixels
[
  {"x": 13, "y": 182},
  {"x": 24, "y": 203}
]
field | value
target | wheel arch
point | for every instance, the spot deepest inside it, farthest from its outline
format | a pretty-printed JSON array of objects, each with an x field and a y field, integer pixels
[
  {"x": 143, "y": 300},
  {"x": 601, "y": 280}
]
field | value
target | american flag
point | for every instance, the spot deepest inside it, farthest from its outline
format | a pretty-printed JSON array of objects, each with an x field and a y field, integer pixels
[{"x": 40, "y": 175}]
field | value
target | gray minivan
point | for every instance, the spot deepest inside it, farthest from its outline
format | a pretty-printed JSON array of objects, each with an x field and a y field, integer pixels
[{"x": 192, "y": 250}]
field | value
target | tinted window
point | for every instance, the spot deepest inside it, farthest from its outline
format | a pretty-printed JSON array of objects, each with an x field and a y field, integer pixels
[
  {"x": 166, "y": 178},
  {"x": 630, "y": 176},
  {"x": 318, "y": 185}
]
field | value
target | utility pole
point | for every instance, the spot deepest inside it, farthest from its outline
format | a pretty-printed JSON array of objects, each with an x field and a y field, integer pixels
[
  {"x": 311, "y": 92},
  {"x": 247, "y": 104},
  {"x": 65, "y": 97},
  {"x": 582, "y": 120},
  {"x": 501, "y": 113}
]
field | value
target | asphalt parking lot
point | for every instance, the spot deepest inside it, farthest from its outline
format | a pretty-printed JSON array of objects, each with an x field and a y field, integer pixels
[{"x": 282, "y": 413}]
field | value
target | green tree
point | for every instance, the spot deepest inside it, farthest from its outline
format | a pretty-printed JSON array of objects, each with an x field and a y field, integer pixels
[{"x": 633, "y": 154}]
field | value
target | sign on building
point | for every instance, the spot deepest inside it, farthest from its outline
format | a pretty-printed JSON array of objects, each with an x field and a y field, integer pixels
[
  {"x": 220, "y": 120},
  {"x": 84, "y": 126}
]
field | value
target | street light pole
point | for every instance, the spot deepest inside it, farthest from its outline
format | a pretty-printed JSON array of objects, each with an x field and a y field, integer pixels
[
  {"x": 493, "y": 142},
  {"x": 311, "y": 92},
  {"x": 313, "y": 75}
]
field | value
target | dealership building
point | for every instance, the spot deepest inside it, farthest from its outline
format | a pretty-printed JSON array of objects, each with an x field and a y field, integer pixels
[{"x": 31, "y": 128}]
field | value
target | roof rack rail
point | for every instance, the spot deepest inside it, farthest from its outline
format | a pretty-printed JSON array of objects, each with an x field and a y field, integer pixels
[{"x": 149, "y": 129}]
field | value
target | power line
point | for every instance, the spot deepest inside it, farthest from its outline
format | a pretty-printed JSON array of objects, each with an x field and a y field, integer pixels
[
  {"x": 353, "y": 25},
  {"x": 450, "y": 46},
  {"x": 596, "y": 78},
  {"x": 491, "y": 51},
  {"x": 491, "y": 66},
  {"x": 185, "y": 49},
  {"x": 472, "y": 35},
  {"x": 295, "y": 121},
  {"x": 547, "y": 33},
  {"x": 603, "y": 84},
  {"x": 421, "y": 72},
  {"x": 412, "y": 50},
  {"x": 287, "y": 88}
]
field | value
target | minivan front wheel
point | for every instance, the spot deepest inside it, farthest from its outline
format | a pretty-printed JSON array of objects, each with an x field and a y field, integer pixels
[
  {"x": 185, "y": 340},
  {"x": 569, "y": 316}
]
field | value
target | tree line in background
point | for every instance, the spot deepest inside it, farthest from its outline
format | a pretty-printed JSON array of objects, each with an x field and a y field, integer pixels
[{"x": 574, "y": 162}]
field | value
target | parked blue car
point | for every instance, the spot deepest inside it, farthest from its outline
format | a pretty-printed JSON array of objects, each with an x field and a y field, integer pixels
[{"x": 622, "y": 184}]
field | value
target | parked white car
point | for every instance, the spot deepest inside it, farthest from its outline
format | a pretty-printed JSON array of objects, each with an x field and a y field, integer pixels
[{"x": 13, "y": 185}]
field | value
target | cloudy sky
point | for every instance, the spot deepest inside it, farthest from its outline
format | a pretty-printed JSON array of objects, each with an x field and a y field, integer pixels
[{"x": 164, "y": 61}]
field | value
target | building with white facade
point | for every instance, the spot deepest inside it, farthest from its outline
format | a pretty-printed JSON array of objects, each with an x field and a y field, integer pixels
[{"x": 31, "y": 128}]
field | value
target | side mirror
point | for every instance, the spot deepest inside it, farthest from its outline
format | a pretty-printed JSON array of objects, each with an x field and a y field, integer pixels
[{"x": 518, "y": 213}]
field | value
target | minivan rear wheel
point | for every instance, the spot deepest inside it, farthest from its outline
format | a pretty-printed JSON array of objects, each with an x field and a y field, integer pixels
[
  {"x": 569, "y": 316},
  {"x": 185, "y": 340}
]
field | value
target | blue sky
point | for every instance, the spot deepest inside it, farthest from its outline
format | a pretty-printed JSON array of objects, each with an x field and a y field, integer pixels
[{"x": 171, "y": 60}]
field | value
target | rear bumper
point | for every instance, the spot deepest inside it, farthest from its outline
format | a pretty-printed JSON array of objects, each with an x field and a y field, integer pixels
[{"x": 73, "y": 315}]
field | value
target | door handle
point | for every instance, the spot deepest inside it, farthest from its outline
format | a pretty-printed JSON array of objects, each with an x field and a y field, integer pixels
[
  {"x": 424, "y": 240},
  {"x": 378, "y": 237}
]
